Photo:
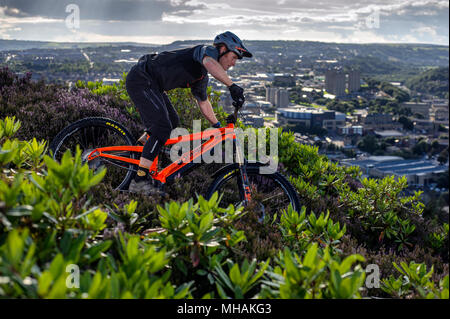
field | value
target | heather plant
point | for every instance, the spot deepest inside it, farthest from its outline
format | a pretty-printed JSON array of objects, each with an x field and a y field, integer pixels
[{"x": 44, "y": 110}]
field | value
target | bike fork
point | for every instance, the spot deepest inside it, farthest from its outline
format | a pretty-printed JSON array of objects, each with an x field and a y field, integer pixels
[{"x": 244, "y": 187}]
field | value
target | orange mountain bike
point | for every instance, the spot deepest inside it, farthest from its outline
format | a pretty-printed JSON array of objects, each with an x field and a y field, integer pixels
[{"x": 105, "y": 142}]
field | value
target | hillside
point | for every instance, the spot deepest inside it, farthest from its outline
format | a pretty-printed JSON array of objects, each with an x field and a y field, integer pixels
[
  {"x": 12, "y": 45},
  {"x": 433, "y": 82},
  {"x": 413, "y": 54},
  {"x": 56, "y": 214}
]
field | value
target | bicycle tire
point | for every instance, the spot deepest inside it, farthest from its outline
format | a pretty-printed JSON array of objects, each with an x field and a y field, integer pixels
[
  {"x": 232, "y": 175},
  {"x": 90, "y": 133}
]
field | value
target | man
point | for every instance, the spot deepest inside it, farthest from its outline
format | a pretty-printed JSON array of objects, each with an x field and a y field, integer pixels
[{"x": 154, "y": 74}]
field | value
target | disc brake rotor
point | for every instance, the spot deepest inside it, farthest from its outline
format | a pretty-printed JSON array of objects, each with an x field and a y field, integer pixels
[{"x": 93, "y": 164}]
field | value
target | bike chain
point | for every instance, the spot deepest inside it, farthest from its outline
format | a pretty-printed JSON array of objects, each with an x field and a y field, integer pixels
[{"x": 118, "y": 165}]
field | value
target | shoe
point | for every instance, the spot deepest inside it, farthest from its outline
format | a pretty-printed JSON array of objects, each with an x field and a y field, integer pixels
[
  {"x": 143, "y": 139},
  {"x": 145, "y": 187}
]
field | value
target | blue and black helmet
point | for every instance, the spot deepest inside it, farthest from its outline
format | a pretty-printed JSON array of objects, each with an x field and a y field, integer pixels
[{"x": 233, "y": 43}]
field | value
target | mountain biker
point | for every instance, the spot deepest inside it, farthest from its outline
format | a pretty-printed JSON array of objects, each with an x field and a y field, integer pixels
[{"x": 154, "y": 74}]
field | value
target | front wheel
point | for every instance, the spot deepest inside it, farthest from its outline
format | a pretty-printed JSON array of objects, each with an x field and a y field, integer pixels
[
  {"x": 272, "y": 193},
  {"x": 92, "y": 133}
]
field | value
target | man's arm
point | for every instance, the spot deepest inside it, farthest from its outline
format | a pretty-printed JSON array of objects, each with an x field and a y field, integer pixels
[
  {"x": 216, "y": 70},
  {"x": 207, "y": 111}
]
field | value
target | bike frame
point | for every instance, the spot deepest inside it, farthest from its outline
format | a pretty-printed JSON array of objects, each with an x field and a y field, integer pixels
[{"x": 185, "y": 162}]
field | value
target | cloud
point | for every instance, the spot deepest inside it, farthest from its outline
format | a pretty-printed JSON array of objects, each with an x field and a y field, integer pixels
[
  {"x": 423, "y": 21},
  {"x": 118, "y": 10}
]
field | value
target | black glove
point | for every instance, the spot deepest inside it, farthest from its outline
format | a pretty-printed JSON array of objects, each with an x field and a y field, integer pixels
[{"x": 237, "y": 94}]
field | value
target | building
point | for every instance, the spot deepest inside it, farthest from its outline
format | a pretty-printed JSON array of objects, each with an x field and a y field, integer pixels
[
  {"x": 253, "y": 107},
  {"x": 254, "y": 120},
  {"x": 380, "y": 122},
  {"x": 388, "y": 133},
  {"x": 270, "y": 94},
  {"x": 281, "y": 98},
  {"x": 310, "y": 117},
  {"x": 424, "y": 126},
  {"x": 439, "y": 112},
  {"x": 351, "y": 130},
  {"x": 264, "y": 104},
  {"x": 417, "y": 172},
  {"x": 277, "y": 97},
  {"x": 359, "y": 116},
  {"x": 335, "y": 81},
  {"x": 354, "y": 81},
  {"x": 333, "y": 123},
  {"x": 284, "y": 79},
  {"x": 308, "y": 93},
  {"x": 418, "y": 108}
]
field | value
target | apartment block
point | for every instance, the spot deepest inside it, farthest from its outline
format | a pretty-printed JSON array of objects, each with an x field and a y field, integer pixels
[
  {"x": 335, "y": 82},
  {"x": 354, "y": 81}
]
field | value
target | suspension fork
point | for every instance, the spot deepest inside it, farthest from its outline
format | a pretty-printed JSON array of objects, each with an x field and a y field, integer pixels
[{"x": 244, "y": 186}]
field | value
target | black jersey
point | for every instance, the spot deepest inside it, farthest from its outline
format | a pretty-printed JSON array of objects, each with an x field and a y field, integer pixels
[{"x": 179, "y": 69}]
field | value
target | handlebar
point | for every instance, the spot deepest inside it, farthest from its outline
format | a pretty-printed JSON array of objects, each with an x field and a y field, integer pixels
[{"x": 232, "y": 118}]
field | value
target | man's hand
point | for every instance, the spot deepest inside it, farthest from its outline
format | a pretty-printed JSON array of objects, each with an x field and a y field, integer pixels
[{"x": 237, "y": 94}]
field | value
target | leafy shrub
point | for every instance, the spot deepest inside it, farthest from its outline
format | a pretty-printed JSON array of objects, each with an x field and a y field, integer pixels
[
  {"x": 317, "y": 275},
  {"x": 416, "y": 279}
]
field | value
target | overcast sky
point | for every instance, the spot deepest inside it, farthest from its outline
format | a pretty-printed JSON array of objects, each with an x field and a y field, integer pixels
[{"x": 164, "y": 21}]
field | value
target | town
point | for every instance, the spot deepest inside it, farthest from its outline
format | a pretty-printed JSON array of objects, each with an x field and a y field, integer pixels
[{"x": 387, "y": 113}]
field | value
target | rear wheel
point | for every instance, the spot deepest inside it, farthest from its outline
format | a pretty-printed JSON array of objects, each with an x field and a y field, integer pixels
[
  {"x": 92, "y": 133},
  {"x": 271, "y": 193}
]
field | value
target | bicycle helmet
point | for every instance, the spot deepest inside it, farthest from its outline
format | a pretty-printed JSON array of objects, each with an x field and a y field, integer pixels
[{"x": 232, "y": 43}]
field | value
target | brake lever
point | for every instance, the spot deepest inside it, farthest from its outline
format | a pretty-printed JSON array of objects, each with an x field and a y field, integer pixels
[{"x": 237, "y": 107}]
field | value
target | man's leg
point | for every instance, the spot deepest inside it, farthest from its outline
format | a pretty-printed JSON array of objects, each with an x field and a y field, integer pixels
[
  {"x": 173, "y": 115},
  {"x": 151, "y": 106}
]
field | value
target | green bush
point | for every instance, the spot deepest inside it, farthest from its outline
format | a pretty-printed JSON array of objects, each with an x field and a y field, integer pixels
[{"x": 415, "y": 279}]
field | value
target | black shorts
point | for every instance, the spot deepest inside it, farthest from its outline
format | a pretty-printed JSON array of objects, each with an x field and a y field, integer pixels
[{"x": 157, "y": 113}]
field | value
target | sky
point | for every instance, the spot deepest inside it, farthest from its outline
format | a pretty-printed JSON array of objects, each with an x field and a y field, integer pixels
[{"x": 165, "y": 21}]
